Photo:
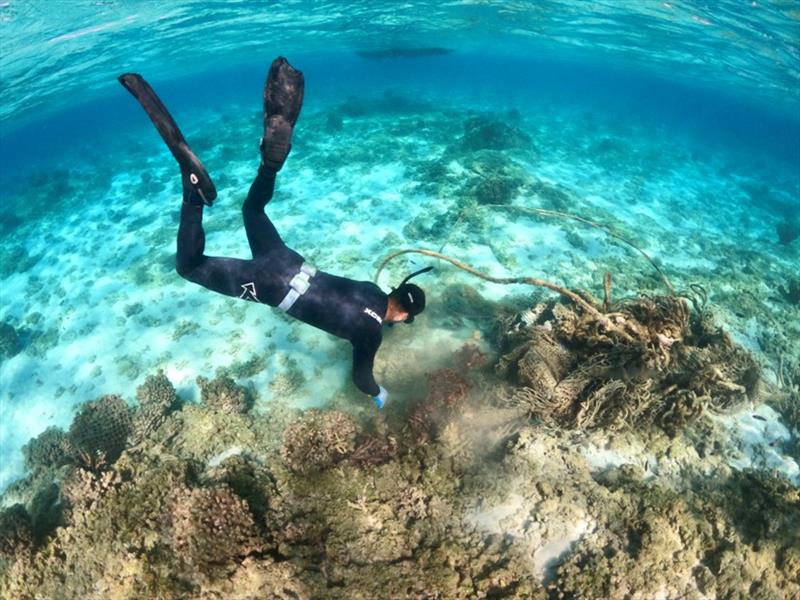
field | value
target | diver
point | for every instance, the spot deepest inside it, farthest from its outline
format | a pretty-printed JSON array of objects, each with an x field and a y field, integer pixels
[{"x": 277, "y": 275}]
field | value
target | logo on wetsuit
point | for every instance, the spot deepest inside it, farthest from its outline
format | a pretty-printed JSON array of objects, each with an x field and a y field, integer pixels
[
  {"x": 249, "y": 292},
  {"x": 374, "y": 315}
]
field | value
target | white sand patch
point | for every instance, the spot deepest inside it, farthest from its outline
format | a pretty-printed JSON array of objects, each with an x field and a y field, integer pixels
[
  {"x": 758, "y": 438},
  {"x": 544, "y": 538}
]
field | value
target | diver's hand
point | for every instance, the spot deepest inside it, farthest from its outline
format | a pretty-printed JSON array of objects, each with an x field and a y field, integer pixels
[{"x": 381, "y": 398}]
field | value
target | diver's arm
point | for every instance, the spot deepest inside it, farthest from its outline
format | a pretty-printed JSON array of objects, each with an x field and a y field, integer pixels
[{"x": 363, "y": 360}]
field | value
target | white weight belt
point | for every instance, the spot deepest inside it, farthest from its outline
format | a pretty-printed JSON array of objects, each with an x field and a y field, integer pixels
[{"x": 298, "y": 286}]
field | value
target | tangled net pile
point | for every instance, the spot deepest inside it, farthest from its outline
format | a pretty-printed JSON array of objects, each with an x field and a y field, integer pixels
[{"x": 648, "y": 361}]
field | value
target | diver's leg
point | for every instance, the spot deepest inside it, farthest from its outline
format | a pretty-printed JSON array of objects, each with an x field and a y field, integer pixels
[
  {"x": 261, "y": 233},
  {"x": 283, "y": 99},
  {"x": 229, "y": 276},
  {"x": 193, "y": 173}
]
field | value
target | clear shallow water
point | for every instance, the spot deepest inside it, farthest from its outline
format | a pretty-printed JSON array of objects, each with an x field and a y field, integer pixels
[
  {"x": 49, "y": 59},
  {"x": 676, "y": 122}
]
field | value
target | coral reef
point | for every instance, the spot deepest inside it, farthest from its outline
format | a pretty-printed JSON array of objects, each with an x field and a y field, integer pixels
[
  {"x": 208, "y": 526},
  {"x": 212, "y": 504},
  {"x": 497, "y": 179},
  {"x": 644, "y": 363},
  {"x": 101, "y": 428},
  {"x": 10, "y": 344},
  {"x": 51, "y": 448},
  {"x": 788, "y": 231},
  {"x": 157, "y": 399},
  {"x": 485, "y": 133},
  {"x": 659, "y": 534},
  {"x": 318, "y": 441},
  {"x": 16, "y": 535},
  {"x": 791, "y": 291},
  {"x": 224, "y": 395}
]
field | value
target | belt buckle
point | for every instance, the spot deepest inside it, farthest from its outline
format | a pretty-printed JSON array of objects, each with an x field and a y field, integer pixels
[{"x": 300, "y": 282}]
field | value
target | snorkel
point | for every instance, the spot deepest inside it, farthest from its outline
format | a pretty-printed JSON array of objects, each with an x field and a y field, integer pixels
[{"x": 410, "y": 296}]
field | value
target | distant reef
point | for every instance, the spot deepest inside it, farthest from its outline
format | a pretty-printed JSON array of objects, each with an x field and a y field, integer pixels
[{"x": 403, "y": 52}]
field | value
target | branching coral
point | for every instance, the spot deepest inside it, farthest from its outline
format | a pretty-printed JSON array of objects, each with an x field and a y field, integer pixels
[
  {"x": 210, "y": 526},
  {"x": 374, "y": 450},
  {"x": 224, "y": 395}
]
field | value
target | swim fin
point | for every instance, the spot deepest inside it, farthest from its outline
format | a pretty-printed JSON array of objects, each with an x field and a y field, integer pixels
[
  {"x": 283, "y": 99},
  {"x": 192, "y": 170}
]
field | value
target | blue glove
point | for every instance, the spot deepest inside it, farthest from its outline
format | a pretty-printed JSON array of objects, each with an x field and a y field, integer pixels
[{"x": 381, "y": 398}]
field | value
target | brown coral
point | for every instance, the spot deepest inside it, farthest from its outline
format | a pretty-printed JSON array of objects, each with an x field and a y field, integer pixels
[
  {"x": 447, "y": 390},
  {"x": 101, "y": 427},
  {"x": 209, "y": 526},
  {"x": 485, "y": 133},
  {"x": 375, "y": 450},
  {"x": 224, "y": 395},
  {"x": 51, "y": 448},
  {"x": 16, "y": 536},
  {"x": 157, "y": 399},
  {"x": 318, "y": 440}
]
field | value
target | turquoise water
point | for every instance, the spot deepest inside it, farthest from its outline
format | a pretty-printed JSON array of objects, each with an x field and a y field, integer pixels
[
  {"x": 679, "y": 106},
  {"x": 675, "y": 123}
]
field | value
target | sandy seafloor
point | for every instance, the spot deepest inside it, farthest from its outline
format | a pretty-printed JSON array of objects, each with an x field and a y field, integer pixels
[{"x": 90, "y": 283}]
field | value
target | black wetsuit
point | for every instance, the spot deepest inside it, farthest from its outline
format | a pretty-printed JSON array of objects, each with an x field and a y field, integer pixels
[{"x": 349, "y": 309}]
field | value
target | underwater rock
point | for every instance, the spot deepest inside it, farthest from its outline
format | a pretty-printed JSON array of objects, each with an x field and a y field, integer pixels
[
  {"x": 208, "y": 526},
  {"x": 101, "y": 428},
  {"x": 51, "y": 448},
  {"x": 16, "y": 259},
  {"x": 224, "y": 395},
  {"x": 483, "y": 132},
  {"x": 647, "y": 366},
  {"x": 318, "y": 440},
  {"x": 788, "y": 231},
  {"x": 10, "y": 344},
  {"x": 610, "y": 151},
  {"x": 9, "y": 222},
  {"x": 333, "y": 123}
]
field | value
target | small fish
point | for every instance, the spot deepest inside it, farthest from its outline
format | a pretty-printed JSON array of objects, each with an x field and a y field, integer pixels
[{"x": 759, "y": 417}]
